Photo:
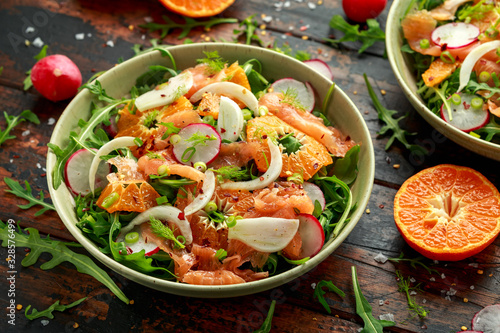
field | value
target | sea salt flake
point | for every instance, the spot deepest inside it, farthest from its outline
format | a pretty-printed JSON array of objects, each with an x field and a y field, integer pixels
[
  {"x": 278, "y": 4},
  {"x": 44, "y": 322},
  {"x": 11, "y": 160},
  {"x": 38, "y": 42},
  {"x": 386, "y": 316},
  {"x": 38, "y": 165},
  {"x": 436, "y": 262},
  {"x": 381, "y": 258},
  {"x": 44, "y": 170},
  {"x": 148, "y": 19},
  {"x": 474, "y": 265},
  {"x": 267, "y": 19},
  {"x": 311, "y": 5},
  {"x": 25, "y": 133},
  {"x": 143, "y": 37},
  {"x": 286, "y": 4},
  {"x": 51, "y": 121},
  {"x": 283, "y": 36},
  {"x": 472, "y": 287},
  {"x": 413, "y": 293},
  {"x": 380, "y": 302},
  {"x": 89, "y": 35},
  {"x": 313, "y": 285},
  {"x": 110, "y": 43},
  {"x": 432, "y": 279},
  {"x": 80, "y": 36},
  {"x": 443, "y": 276},
  {"x": 451, "y": 292},
  {"x": 412, "y": 280},
  {"x": 424, "y": 301},
  {"x": 29, "y": 30},
  {"x": 448, "y": 298}
]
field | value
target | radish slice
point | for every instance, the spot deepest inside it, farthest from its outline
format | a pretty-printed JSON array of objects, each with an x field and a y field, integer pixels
[
  {"x": 229, "y": 89},
  {"x": 464, "y": 116},
  {"x": 199, "y": 143},
  {"x": 76, "y": 172},
  {"x": 230, "y": 122},
  {"x": 315, "y": 194},
  {"x": 312, "y": 235},
  {"x": 455, "y": 35},
  {"x": 264, "y": 234},
  {"x": 304, "y": 91},
  {"x": 121, "y": 142},
  {"x": 321, "y": 67},
  {"x": 472, "y": 58},
  {"x": 165, "y": 93},
  {"x": 149, "y": 248},
  {"x": 266, "y": 179},
  {"x": 205, "y": 194},
  {"x": 487, "y": 320},
  {"x": 167, "y": 213},
  {"x": 112, "y": 128}
]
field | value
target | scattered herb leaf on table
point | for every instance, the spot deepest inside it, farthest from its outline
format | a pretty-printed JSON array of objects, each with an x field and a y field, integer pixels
[
  {"x": 19, "y": 191},
  {"x": 319, "y": 293},
  {"x": 48, "y": 312}
]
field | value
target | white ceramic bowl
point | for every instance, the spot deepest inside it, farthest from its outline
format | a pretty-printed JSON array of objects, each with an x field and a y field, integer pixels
[
  {"x": 401, "y": 65},
  {"x": 118, "y": 81}
]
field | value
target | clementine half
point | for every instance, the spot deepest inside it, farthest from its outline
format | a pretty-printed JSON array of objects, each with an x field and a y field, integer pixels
[
  {"x": 448, "y": 212},
  {"x": 200, "y": 8}
]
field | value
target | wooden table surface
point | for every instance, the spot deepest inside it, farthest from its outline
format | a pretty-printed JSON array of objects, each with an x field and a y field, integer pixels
[{"x": 451, "y": 298}]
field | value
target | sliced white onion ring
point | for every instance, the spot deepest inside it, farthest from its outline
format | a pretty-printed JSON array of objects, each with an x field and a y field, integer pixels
[
  {"x": 229, "y": 89},
  {"x": 121, "y": 142},
  {"x": 472, "y": 58},
  {"x": 265, "y": 234},
  {"x": 272, "y": 173},
  {"x": 205, "y": 195},
  {"x": 168, "y": 213},
  {"x": 166, "y": 93}
]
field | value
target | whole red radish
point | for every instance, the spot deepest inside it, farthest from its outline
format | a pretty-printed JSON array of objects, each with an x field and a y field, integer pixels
[
  {"x": 56, "y": 77},
  {"x": 362, "y": 10}
]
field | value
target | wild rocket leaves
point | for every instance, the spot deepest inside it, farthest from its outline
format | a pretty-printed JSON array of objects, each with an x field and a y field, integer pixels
[
  {"x": 48, "y": 312},
  {"x": 13, "y": 121},
  {"x": 18, "y": 190},
  {"x": 352, "y": 33}
]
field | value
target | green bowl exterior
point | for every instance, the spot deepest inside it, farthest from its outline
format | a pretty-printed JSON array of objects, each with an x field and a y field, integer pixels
[
  {"x": 400, "y": 64},
  {"x": 118, "y": 81}
]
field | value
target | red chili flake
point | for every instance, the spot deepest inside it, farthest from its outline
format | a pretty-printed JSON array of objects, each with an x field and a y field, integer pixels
[
  {"x": 466, "y": 106},
  {"x": 236, "y": 199},
  {"x": 264, "y": 136},
  {"x": 276, "y": 185},
  {"x": 43, "y": 175},
  {"x": 16, "y": 156},
  {"x": 27, "y": 250},
  {"x": 181, "y": 216},
  {"x": 386, "y": 302},
  {"x": 93, "y": 70},
  {"x": 129, "y": 250},
  {"x": 227, "y": 195},
  {"x": 261, "y": 179},
  {"x": 303, "y": 28},
  {"x": 444, "y": 47},
  {"x": 201, "y": 190},
  {"x": 162, "y": 95},
  {"x": 315, "y": 166},
  {"x": 223, "y": 130},
  {"x": 381, "y": 206},
  {"x": 322, "y": 136},
  {"x": 431, "y": 78}
]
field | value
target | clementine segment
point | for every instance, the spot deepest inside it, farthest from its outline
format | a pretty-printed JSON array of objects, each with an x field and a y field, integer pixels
[
  {"x": 201, "y": 8},
  {"x": 438, "y": 72},
  {"x": 129, "y": 197},
  {"x": 448, "y": 212}
]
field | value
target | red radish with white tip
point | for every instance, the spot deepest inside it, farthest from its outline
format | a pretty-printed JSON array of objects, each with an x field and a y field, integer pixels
[
  {"x": 303, "y": 92},
  {"x": 315, "y": 194},
  {"x": 312, "y": 235},
  {"x": 455, "y": 35},
  {"x": 56, "y": 77},
  {"x": 197, "y": 143},
  {"x": 487, "y": 320},
  {"x": 321, "y": 67},
  {"x": 76, "y": 172},
  {"x": 464, "y": 116}
]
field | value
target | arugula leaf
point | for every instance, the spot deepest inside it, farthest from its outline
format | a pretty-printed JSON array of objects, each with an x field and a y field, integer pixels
[
  {"x": 96, "y": 89},
  {"x": 391, "y": 124},
  {"x": 266, "y": 325},
  {"x": 186, "y": 27},
  {"x": 249, "y": 31},
  {"x": 491, "y": 129},
  {"x": 60, "y": 253},
  {"x": 1, "y": 70},
  {"x": 48, "y": 312},
  {"x": 414, "y": 262},
  {"x": 13, "y": 121},
  {"x": 353, "y": 34},
  {"x": 405, "y": 287},
  {"x": 290, "y": 144},
  {"x": 474, "y": 86},
  {"x": 319, "y": 293},
  {"x": 19, "y": 191},
  {"x": 27, "y": 83},
  {"x": 346, "y": 168},
  {"x": 364, "y": 309}
]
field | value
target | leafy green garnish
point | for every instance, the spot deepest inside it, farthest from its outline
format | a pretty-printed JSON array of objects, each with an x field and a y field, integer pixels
[
  {"x": 154, "y": 156},
  {"x": 319, "y": 293},
  {"x": 250, "y": 26},
  {"x": 150, "y": 120},
  {"x": 232, "y": 172},
  {"x": 27, "y": 83},
  {"x": 60, "y": 253},
  {"x": 13, "y": 121},
  {"x": 391, "y": 124},
  {"x": 346, "y": 168},
  {"x": 214, "y": 62},
  {"x": 353, "y": 34},
  {"x": 291, "y": 97},
  {"x": 404, "y": 286},
  {"x": 414, "y": 262},
  {"x": 186, "y": 26},
  {"x": 48, "y": 312},
  {"x": 290, "y": 144},
  {"x": 491, "y": 129},
  {"x": 364, "y": 309},
  {"x": 170, "y": 129},
  {"x": 477, "y": 11},
  {"x": 266, "y": 326},
  {"x": 429, "y": 4},
  {"x": 161, "y": 230},
  {"x": 96, "y": 89},
  {"x": 19, "y": 191}
]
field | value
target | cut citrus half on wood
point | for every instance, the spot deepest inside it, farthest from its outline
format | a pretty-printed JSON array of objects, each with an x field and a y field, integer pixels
[
  {"x": 448, "y": 212},
  {"x": 200, "y": 8}
]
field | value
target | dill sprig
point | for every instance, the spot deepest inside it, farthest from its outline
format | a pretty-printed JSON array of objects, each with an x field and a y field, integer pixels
[
  {"x": 404, "y": 286},
  {"x": 161, "y": 230},
  {"x": 232, "y": 172},
  {"x": 214, "y": 62},
  {"x": 414, "y": 262},
  {"x": 291, "y": 97}
]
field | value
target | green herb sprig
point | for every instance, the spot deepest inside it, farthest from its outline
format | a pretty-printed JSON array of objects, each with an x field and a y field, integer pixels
[
  {"x": 353, "y": 34},
  {"x": 250, "y": 26},
  {"x": 13, "y": 121},
  {"x": 364, "y": 309},
  {"x": 186, "y": 27},
  {"x": 164, "y": 231},
  {"x": 413, "y": 262},
  {"x": 404, "y": 286},
  {"x": 319, "y": 293},
  {"x": 19, "y": 191},
  {"x": 391, "y": 124},
  {"x": 266, "y": 325},
  {"x": 60, "y": 253},
  {"x": 48, "y": 312}
]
